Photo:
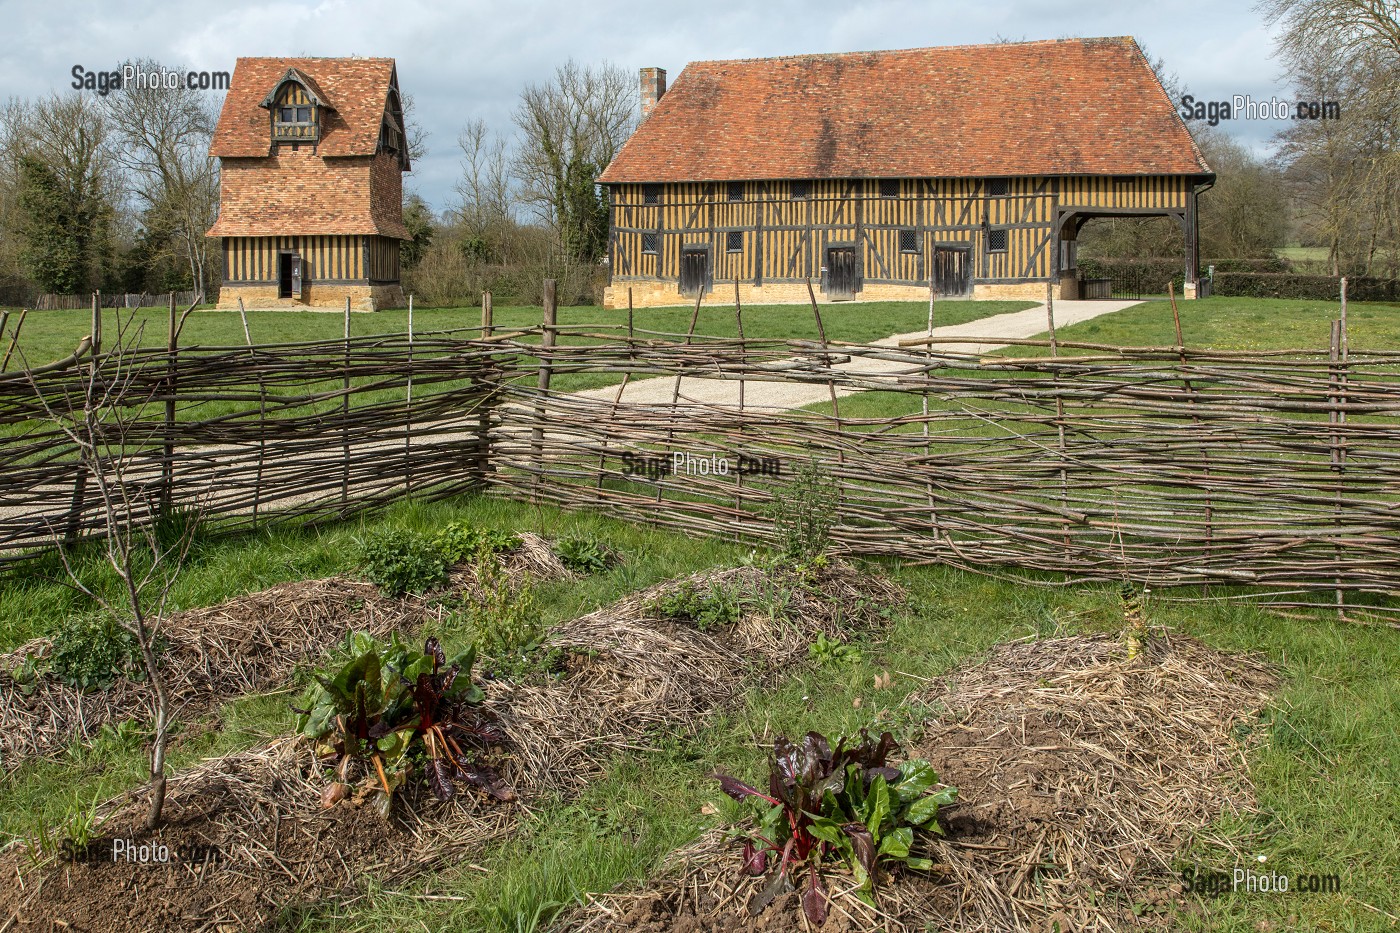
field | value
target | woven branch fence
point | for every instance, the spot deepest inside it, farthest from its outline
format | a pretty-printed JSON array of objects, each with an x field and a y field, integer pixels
[
  {"x": 1277, "y": 471},
  {"x": 245, "y": 434}
]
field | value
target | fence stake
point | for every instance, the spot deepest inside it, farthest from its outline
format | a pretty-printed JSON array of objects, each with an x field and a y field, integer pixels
[
  {"x": 487, "y": 313},
  {"x": 1059, "y": 418},
  {"x": 928, "y": 449},
  {"x": 167, "y": 462},
  {"x": 1336, "y": 418},
  {"x": 547, "y": 334},
  {"x": 408, "y": 409},
  {"x": 826, "y": 360},
  {"x": 744, "y": 363},
  {"x": 345, "y": 419},
  {"x": 262, "y": 407},
  {"x": 75, "y": 509},
  {"x": 1196, "y": 420},
  {"x": 14, "y": 338}
]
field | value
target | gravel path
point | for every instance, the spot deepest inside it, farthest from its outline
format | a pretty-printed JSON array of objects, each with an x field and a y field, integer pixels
[{"x": 776, "y": 396}]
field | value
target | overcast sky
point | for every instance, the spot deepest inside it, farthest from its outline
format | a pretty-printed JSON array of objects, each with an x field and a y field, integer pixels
[{"x": 466, "y": 60}]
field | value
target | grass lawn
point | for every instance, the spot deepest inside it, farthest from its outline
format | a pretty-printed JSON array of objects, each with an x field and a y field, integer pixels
[
  {"x": 1220, "y": 323},
  {"x": 52, "y": 335},
  {"x": 1324, "y": 772}
]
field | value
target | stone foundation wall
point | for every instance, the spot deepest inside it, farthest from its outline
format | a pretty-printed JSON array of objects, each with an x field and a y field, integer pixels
[
  {"x": 320, "y": 297},
  {"x": 666, "y": 294}
]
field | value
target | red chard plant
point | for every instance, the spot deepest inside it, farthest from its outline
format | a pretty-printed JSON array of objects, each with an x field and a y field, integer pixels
[{"x": 847, "y": 805}]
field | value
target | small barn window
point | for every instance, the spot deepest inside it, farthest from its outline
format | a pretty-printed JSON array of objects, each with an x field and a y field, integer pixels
[
  {"x": 998, "y": 187},
  {"x": 734, "y": 242},
  {"x": 736, "y": 191},
  {"x": 889, "y": 187},
  {"x": 996, "y": 241},
  {"x": 651, "y": 194},
  {"x": 800, "y": 190},
  {"x": 908, "y": 241},
  {"x": 651, "y": 242}
]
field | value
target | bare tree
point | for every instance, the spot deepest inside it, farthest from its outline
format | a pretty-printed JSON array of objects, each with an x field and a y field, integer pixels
[
  {"x": 1348, "y": 28},
  {"x": 572, "y": 127},
  {"x": 100, "y": 415},
  {"x": 1345, "y": 172},
  {"x": 485, "y": 185},
  {"x": 165, "y": 134}
]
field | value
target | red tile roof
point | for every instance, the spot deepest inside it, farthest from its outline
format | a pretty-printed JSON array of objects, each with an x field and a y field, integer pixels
[
  {"x": 1064, "y": 107},
  {"x": 357, "y": 88}
]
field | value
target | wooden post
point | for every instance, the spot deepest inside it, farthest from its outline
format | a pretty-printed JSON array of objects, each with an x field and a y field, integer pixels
[
  {"x": 14, "y": 338},
  {"x": 928, "y": 448},
  {"x": 262, "y": 411},
  {"x": 1059, "y": 417},
  {"x": 744, "y": 362},
  {"x": 1336, "y": 418},
  {"x": 547, "y": 335},
  {"x": 345, "y": 419},
  {"x": 408, "y": 409},
  {"x": 487, "y": 313},
  {"x": 1195, "y": 419},
  {"x": 75, "y": 507},
  {"x": 167, "y": 461}
]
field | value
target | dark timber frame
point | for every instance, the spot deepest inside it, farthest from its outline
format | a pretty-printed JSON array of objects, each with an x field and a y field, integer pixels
[{"x": 788, "y": 225}]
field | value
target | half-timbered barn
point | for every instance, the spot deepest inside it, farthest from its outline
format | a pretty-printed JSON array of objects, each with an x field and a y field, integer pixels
[
  {"x": 877, "y": 175},
  {"x": 312, "y": 154}
]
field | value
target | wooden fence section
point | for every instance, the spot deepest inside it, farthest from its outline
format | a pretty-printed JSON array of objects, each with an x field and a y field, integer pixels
[
  {"x": 1279, "y": 471},
  {"x": 247, "y": 434}
]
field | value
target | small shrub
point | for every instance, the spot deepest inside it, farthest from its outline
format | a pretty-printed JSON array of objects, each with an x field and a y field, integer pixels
[
  {"x": 709, "y": 607},
  {"x": 461, "y": 541},
  {"x": 503, "y": 618},
  {"x": 846, "y": 804},
  {"x": 804, "y": 512},
  {"x": 92, "y": 652},
  {"x": 403, "y": 562},
  {"x": 583, "y": 554}
]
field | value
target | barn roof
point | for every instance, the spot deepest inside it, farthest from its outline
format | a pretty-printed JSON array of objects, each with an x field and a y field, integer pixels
[
  {"x": 356, "y": 88},
  {"x": 1062, "y": 107}
]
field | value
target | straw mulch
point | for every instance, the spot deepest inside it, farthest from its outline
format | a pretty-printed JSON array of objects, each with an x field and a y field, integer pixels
[
  {"x": 1080, "y": 774},
  {"x": 243, "y": 646},
  {"x": 624, "y": 673}
]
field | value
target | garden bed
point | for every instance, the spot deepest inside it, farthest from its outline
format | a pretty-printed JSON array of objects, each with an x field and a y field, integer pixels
[
  {"x": 1081, "y": 775},
  {"x": 608, "y": 682},
  {"x": 243, "y": 646}
]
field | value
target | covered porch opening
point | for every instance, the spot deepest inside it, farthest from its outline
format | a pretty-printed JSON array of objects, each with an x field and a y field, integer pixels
[{"x": 1075, "y": 285}]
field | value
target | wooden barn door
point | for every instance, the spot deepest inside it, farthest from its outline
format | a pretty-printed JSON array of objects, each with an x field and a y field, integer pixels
[
  {"x": 843, "y": 273},
  {"x": 695, "y": 270},
  {"x": 952, "y": 270}
]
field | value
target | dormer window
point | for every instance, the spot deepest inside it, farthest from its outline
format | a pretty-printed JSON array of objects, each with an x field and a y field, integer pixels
[
  {"x": 296, "y": 105},
  {"x": 295, "y": 122}
]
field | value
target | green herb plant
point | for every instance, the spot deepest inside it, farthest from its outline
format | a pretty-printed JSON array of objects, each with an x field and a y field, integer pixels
[
  {"x": 461, "y": 541},
  {"x": 402, "y": 562},
  {"x": 92, "y": 652},
  {"x": 846, "y": 804},
  {"x": 709, "y": 607},
  {"x": 832, "y": 651},
  {"x": 583, "y": 554},
  {"x": 803, "y": 513},
  {"x": 391, "y": 702}
]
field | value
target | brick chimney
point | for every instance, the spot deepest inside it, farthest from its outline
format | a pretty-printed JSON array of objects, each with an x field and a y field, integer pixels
[{"x": 653, "y": 87}]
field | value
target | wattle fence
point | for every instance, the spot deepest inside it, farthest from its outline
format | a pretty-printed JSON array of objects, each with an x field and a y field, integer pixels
[{"x": 1265, "y": 474}]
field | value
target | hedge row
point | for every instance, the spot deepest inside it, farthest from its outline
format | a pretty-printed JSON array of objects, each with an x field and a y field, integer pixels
[
  {"x": 1274, "y": 264},
  {"x": 1295, "y": 285}
]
